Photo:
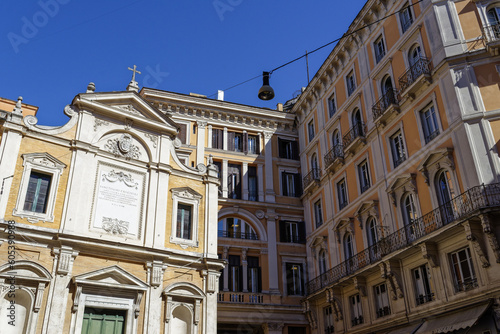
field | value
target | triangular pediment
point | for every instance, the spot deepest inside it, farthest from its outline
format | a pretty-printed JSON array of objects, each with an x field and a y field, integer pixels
[
  {"x": 400, "y": 181},
  {"x": 186, "y": 192},
  {"x": 111, "y": 276},
  {"x": 126, "y": 106}
]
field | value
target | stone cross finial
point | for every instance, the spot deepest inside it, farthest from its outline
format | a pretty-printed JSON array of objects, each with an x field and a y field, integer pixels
[
  {"x": 134, "y": 70},
  {"x": 18, "y": 108}
]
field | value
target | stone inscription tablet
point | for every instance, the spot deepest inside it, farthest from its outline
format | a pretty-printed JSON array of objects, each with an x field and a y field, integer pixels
[{"x": 118, "y": 201}]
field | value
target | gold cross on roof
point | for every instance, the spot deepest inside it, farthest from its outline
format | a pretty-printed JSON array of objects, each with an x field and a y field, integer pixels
[{"x": 135, "y": 71}]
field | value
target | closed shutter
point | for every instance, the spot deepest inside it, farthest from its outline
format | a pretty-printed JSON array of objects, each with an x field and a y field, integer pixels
[
  {"x": 230, "y": 141},
  {"x": 295, "y": 150},
  {"x": 245, "y": 142},
  {"x": 302, "y": 232},
  {"x": 284, "y": 184},
  {"x": 298, "y": 185}
]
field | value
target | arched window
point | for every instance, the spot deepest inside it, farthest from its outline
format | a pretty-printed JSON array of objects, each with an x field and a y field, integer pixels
[
  {"x": 357, "y": 123},
  {"x": 444, "y": 187},
  {"x": 445, "y": 192},
  {"x": 322, "y": 262},
  {"x": 348, "y": 246},
  {"x": 314, "y": 161},
  {"x": 233, "y": 227},
  {"x": 414, "y": 54},
  {"x": 387, "y": 92},
  {"x": 372, "y": 231},
  {"x": 336, "y": 138},
  {"x": 408, "y": 209},
  {"x": 493, "y": 15}
]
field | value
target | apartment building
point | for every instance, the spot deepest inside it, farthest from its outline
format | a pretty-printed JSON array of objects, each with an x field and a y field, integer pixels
[
  {"x": 261, "y": 232},
  {"x": 399, "y": 151}
]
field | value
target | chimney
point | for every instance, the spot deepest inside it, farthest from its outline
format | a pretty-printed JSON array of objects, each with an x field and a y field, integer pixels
[
  {"x": 220, "y": 95},
  {"x": 279, "y": 107}
]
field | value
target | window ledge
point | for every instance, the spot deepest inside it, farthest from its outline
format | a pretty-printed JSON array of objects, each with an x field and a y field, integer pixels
[{"x": 184, "y": 243}]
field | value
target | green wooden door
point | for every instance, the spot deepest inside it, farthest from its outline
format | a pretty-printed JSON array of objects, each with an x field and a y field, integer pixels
[{"x": 101, "y": 321}]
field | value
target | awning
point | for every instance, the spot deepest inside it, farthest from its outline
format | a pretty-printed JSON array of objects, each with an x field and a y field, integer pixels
[
  {"x": 453, "y": 321},
  {"x": 411, "y": 329}
]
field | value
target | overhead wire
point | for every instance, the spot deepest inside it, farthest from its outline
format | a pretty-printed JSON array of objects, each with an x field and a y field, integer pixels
[{"x": 324, "y": 46}]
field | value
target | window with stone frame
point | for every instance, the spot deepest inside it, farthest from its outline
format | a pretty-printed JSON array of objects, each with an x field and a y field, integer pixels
[
  {"x": 429, "y": 123},
  {"x": 364, "y": 176},
  {"x": 38, "y": 187},
  {"x": 379, "y": 48},
  {"x": 185, "y": 208},
  {"x": 406, "y": 18},
  {"x": 422, "y": 282},
  {"x": 328, "y": 319},
  {"x": 397, "y": 149},
  {"x": 294, "y": 279},
  {"x": 332, "y": 106},
  {"x": 463, "y": 270},
  {"x": 342, "y": 194},
  {"x": 318, "y": 213},
  {"x": 356, "y": 310},
  {"x": 382, "y": 306},
  {"x": 350, "y": 83}
]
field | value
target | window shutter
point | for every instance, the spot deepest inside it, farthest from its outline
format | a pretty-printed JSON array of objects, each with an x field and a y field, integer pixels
[
  {"x": 298, "y": 185},
  {"x": 230, "y": 141},
  {"x": 245, "y": 142},
  {"x": 240, "y": 279},
  {"x": 283, "y": 231},
  {"x": 280, "y": 148},
  {"x": 289, "y": 279},
  {"x": 220, "y": 139},
  {"x": 284, "y": 184},
  {"x": 302, "y": 232},
  {"x": 182, "y": 133},
  {"x": 260, "y": 280},
  {"x": 257, "y": 144},
  {"x": 295, "y": 149}
]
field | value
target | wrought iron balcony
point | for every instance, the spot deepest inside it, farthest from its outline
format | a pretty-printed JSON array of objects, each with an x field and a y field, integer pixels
[
  {"x": 313, "y": 176},
  {"x": 422, "y": 299},
  {"x": 387, "y": 103},
  {"x": 357, "y": 132},
  {"x": 460, "y": 207},
  {"x": 420, "y": 69},
  {"x": 238, "y": 235},
  {"x": 491, "y": 34},
  {"x": 336, "y": 154}
]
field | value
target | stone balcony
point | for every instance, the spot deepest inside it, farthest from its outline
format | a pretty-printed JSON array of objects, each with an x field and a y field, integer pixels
[
  {"x": 312, "y": 178},
  {"x": 491, "y": 35},
  {"x": 386, "y": 107},
  {"x": 354, "y": 138},
  {"x": 334, "y": 157},
  {"x": 417, "y": 76},
  {"x": 475, "y": 201}
]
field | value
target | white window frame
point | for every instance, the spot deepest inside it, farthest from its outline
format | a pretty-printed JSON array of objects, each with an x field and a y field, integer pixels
[
  {"x": 431, "y": 101},
  {"x": 352, "y": 75},
  {"x": 408, "y": 6},
  {"x": 381, "y": 299},
  {"x": 296, "y": 260},
  {"x": 311, "y": 134},
  {"x": 397, "y": 133},
  {"x": 420, "y": 290},
  {"x": 190, "y": 197},
  {"x": 282, "y": 186},
  {"x": 380, "y": 40},
  {"x": 342, "y": 180},
  {"x": 470, "y": 263},
  {"x": 42, "y": 163},
  {"x": 356, "y": 308},
  {"x": 316, "y": 213},
  {"x": 332, "y": 102},
  {"x": 363, "y": 169}
]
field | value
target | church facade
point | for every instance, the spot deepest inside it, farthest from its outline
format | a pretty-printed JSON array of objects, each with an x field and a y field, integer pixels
[{"x": 105, "y": 230}]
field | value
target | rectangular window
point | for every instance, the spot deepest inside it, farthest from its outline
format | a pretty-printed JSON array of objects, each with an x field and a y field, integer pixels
[
  {"x": 342, "y": 194},
  {"x": 405, "y": 18},
  {"x": 182, "y": 135},
  {"x": 235, "y": 277},
  {"x": 310, "y": 130},
  {"x": 351, "y": 83},
  {"x": 328, "y": 315},
  {"x": 253, "y": 144},
  {"x": 288, "y": 149},
  {"x": 379, "y": 49},
  {"x": 398, "y": 149},
  {"x": 356, "y": 310},
  {"x": 318, "y": 213},
  {"x": 235, "y": 141},
  {"x": 254, "y": 274},
  {"x": 429, "y": 123},
  {"x": 290, "y": 184},
  {"x": 364, "y": 176},
  {"x": 332, "y": 108},
  {"x": 234, "y": 181},
  {"x": 293, "y": 232},
  {"x": 37, "y": 193},
  {"x": 382, "y": 301},
  {"x": 252, "y": 184},
  {"x": 294, "y": 279},
  {"x": 217, "y": 137},
  {"x": 463, "y": 270},
  {"x": 421, "y": 279},
  {"x": 184, "y": 221}
]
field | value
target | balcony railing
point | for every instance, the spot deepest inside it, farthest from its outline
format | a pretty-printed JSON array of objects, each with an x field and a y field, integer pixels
[
  {"x": 420, "y": 67},
  {"x": 337, "y": 152},
  {"x": 390, "y": 98},
  {"x": 492, "y": 32},
  {"x": 240, "y": 298},
  {"x": 422, "y": 299},
  {"x": 238, "y": 235},
  {"x": 313, "y": 176},
  {"x": 466, "y": 285},
  {"x": 460, "y": 207},
  {"x": 383, "y": 311},
  {"x": 358, "y": 130}
]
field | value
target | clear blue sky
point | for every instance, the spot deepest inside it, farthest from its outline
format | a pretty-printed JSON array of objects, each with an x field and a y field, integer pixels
[{"x": 51, "y": 49}]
